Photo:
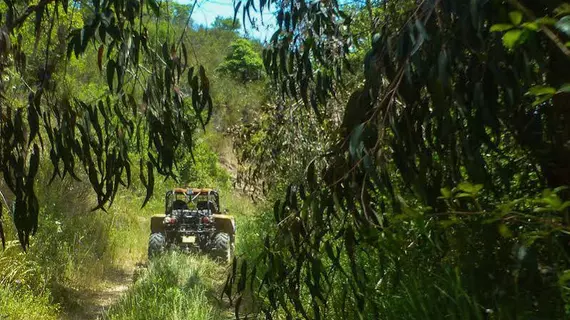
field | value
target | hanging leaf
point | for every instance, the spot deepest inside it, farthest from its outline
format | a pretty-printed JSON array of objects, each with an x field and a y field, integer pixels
[
  {"x": 355, "y": 139},
  {"x": 533, "y": 26},
  {"x": 541, "y": 99},
  {"x": 150, "y": 184},
  {"x": 311, "y": 178},
  {"x": 546, "y": 21},
  {"x": 2, "y": 237},
  {"x": 100, "y": 58},
  {"x": 33, "y": 119},
  {"x": 541, "y": 90},
  {"x": 243, "y": 276},
  {"x": 154, "y": 7},
  {"x": 443, "y": 67},
  {"x": 504, "y": 231},
  {"x": 446, "y": 193},
  {"x": 111, "y": 68},
  {"x": 563, "y": 9}
]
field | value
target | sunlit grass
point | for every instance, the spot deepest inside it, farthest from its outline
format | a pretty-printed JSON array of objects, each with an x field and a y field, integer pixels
[
  {"x": 175, "y": 286},
  {"x": 76, "y": 248},
  {"x": 21, "y": 303}
]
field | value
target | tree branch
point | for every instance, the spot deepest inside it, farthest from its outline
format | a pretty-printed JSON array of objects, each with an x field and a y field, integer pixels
[{"x": 31, "y": 9}]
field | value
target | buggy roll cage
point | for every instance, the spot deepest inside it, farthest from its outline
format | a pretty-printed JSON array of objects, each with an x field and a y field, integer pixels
[{"x": 190, "y": 194}]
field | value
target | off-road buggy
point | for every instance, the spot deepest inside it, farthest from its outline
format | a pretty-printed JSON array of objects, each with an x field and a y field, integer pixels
[{"x": 193, "y": 221}]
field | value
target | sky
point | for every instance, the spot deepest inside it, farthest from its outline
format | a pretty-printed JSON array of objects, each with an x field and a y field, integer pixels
[{"x": 206, "y": 12}]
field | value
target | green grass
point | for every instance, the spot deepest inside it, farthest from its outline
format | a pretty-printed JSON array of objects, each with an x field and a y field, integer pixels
[
  {"x": 75, "y": 248},
  {"x": 22, "y": 303},
  {"x": 425, "y": 296},
  {"x": 175, "y": 286}
]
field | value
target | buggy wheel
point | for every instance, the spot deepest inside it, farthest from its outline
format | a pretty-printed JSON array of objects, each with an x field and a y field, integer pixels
[
  {"x": 156, "y": 244},
  {"x": 222, "y": 247}
]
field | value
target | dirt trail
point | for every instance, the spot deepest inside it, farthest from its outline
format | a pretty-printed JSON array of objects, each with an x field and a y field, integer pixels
[{"x": 92, "y": 304}]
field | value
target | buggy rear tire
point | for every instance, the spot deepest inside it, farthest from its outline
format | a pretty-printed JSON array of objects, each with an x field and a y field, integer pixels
[
  {"x": 222, "y": 247},
  {"x": 156, "y": 244}
]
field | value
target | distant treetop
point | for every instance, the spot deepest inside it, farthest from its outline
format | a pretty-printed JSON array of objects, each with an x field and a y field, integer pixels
[
  {"x": 243, "y": 62},
  {"x": 225, "y": 23}
]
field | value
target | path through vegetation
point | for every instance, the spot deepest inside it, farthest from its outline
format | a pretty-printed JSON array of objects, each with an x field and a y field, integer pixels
[{"x": 92, "y": 304}]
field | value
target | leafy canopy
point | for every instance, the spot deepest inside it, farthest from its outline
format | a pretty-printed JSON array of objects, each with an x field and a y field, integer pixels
[{"x": 451, "y": 91}]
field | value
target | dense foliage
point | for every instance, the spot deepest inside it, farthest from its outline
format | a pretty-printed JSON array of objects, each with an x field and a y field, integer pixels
[
  {"x": 429, "y": 203},
  {"x": 75, "y": 250},
  {"x": 418, "y": 149},
  {"x": 141, "y": 109},
  {"x": 243, "y": 62}
]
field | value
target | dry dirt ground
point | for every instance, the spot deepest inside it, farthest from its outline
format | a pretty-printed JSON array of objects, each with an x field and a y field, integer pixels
[{"x": 92, "y": 304}]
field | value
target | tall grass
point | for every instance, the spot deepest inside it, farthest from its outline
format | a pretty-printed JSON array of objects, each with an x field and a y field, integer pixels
[
  {"x": 174, "y": 286},
  {"x": 74, "y": 248},
  {"x": 21, "y": 303},
  {"x": 431, "y": 296}
]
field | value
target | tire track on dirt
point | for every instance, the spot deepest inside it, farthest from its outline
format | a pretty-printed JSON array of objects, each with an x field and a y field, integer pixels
[{"x": 92, "y": 304}]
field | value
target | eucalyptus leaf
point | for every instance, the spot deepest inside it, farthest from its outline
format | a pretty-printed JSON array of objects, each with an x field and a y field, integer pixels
[
  {"x": 446, "y": 193},
  {"x": 541, "y": 90},
  {"x": 355, "y": 138},
  {"x": 563, "y": 9},
  {"x": 505, "y": 231}
]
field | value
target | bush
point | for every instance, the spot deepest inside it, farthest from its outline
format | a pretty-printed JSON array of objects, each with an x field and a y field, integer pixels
[{"x": 243, "y": 62}]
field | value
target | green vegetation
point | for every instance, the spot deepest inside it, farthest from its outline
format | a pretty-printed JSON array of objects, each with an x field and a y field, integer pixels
[
  {"x": 76, "y": 251},
  {"x": 175, "y": 286},
  {"x": 385, "y": 159},
  {"x": 222, "y": 23},
  {"x": 24, "y": 304},
  {"x": 242, "y": 62},
  {"x": 432, "y": 184}
]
